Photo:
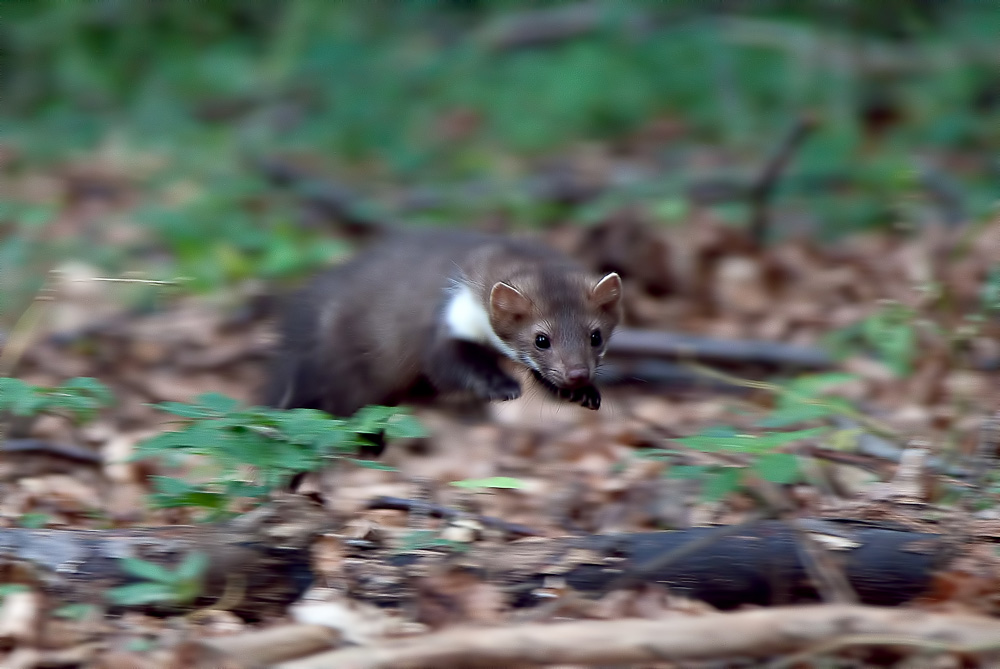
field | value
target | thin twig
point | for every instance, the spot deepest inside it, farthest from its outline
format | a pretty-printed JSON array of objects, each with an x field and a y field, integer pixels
[
  {"x": 763, "y": 187},
  {"x": 871, "y": 424},
  {"x": 22, "y": 332},
  {"x": 438, "y": 511}
]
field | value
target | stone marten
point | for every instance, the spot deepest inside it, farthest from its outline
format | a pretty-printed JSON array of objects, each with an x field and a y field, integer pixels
[{"x": 421, "y": 314}]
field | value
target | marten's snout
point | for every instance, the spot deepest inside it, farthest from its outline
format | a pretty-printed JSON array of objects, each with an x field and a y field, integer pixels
[{"x": 577, "y": 376}]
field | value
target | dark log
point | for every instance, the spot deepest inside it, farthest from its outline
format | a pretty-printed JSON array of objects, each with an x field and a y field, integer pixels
[
  {"x": 760, "y": 564},
  {"x": 261, "y": 561},
  {"x": 663, "y": 376},
  {"x": 438, "y": 511},
  {"x": 764, "y": 565},
  {"x": 264, "y": 558},
  {"x": 41, "y": 447},
  {"x": 637, "y": 343},
  {"x": 36, "y": 457}
]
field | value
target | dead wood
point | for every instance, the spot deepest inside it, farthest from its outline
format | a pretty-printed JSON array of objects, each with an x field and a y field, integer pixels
[
  {"x": 760, "y": 564},
  {"x": 764, "y": 186},
  {"x": 259, "y": 563},
  {"x": 663, "y": 376},
  {"x": 757, "y": 634},
  {"x": 438, "y": 511},
  {"x": 70, "y": 452},
  {"x": 34, "y": 457},
  {"x": 259, "y": 648},
  {"x": 637, "y": 343}
]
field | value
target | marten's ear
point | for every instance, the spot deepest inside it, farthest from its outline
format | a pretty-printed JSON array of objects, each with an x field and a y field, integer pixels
[
  {"x": 508, "y": 305},
  {"x": 608, "y": 292}
]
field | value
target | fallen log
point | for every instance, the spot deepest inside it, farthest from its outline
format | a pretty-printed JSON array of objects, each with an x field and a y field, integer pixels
[
  {"x": 760, "y": 564},
  {"x": 260, "y": 562},
  {"x": 259, "y": 648},
  {"x": 264, "y": 557},
  {"x": 811, "y": 631},
  {"x": 637, "y": 343}
]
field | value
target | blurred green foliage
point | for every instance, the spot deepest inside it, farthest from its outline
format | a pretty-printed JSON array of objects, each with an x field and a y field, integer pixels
[
  {"x": 252, "y": 451},
  {"x": 78, "y": 399},
  {"x": 418, "y": 93}
]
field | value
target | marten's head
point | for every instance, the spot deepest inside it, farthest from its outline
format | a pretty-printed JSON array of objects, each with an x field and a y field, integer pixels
[{"x": 557, "y": 323}]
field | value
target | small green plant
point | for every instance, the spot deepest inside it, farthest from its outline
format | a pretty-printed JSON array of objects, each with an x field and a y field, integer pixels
[
  {"x": 800, "y": 401},
  {"x": 990, "y": 296},
  {"x": 890, "y": 334},
  {"x": 492, "y": 482},
  {"x": 78, "y": 399},
  {"x": 12, "y": 588},
  {"x": 159, "y": 584},
  {"x": 77, "y": 611},
  {"x": 251, "y": 451},
  {"x": 417, "y": 540},
  {"x": 34, "y": 520}
]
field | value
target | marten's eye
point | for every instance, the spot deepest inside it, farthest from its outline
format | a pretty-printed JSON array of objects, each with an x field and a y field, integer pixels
[
  {"x": 542, "y": 341},
  {"x": 596, "y": 339}
]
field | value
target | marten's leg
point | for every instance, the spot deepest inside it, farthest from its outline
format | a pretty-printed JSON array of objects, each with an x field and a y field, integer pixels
[{"x": 457, "y": 365}]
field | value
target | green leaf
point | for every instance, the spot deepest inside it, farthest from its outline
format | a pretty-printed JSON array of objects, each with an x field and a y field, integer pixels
[
  {"x": 404, "y": 426},
  {"x": 652, "y": 453},
  {"x": 687, "y": 472},
  {"x": 74, "y": 611},
  {"x": 174, "y": 493},
  {"x": 142, "y": 593},
  {"x": 89, "y": 387},
  {"x": 34, "y": 520},
  {"x": 417, "y": 539},
  {"x": 773, "y": 440},
  {"x": 140, "y": 645},
  {"x": 185, "y": 410},
  {"x": 312, "y": 427},
  {"x": 811, "y": 385},
  {"x": 793, "y": 415},
  {"x": 11, "y": 588},
  {"x": 218, "y": 402},
  {"x": 778, "y": 467},
  {"x": 193, "y": 566},
  {"x": 493, "y": 482},
  {"x": 147, "y": 570},
  {"x": 18, "y": 397},
  {"x": 372, "y": 464},
  {"x": 749, "y": 443},
  {"x": 721, "y": 482},
  {"x": 371, "y": 419}
]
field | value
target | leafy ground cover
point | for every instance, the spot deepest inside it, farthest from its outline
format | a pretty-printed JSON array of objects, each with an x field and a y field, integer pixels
[{"x": 133, "y": 167}]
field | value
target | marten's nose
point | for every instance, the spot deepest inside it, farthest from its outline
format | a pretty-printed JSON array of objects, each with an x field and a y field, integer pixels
[{"x": 577, "y": 375}]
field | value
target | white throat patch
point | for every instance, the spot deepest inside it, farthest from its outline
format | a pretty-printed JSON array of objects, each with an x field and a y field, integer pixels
[{"x": 467, "y": 319}]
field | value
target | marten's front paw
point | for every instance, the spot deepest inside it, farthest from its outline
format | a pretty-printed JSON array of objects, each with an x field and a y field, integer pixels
[
  {"x": 496, "y": 387},
  {"x": 589, "y": 397}
]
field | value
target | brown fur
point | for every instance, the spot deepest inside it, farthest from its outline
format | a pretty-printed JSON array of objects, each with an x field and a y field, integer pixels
[{"x": 371, "y": 331}]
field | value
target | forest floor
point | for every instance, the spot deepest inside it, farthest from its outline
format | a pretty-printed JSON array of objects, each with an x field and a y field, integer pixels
[{"x": 910, "y": 311}]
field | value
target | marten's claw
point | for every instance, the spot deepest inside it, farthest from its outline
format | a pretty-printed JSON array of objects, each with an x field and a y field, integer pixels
[{"x": 588, "y": 397}]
